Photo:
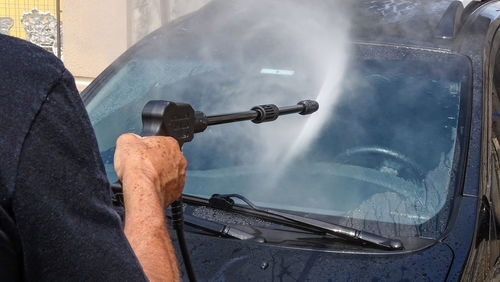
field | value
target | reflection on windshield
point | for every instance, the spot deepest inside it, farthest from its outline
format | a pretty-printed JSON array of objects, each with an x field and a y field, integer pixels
[{"x": 384, "y": 154}]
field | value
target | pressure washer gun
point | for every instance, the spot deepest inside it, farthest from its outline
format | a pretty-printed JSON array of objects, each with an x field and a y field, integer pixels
[{"x": 180, "y": 121}]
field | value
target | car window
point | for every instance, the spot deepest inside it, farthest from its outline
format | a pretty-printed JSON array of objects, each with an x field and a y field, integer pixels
[
  {"x": 384, "y": 148},
  {"x": 385, "y": 153}
]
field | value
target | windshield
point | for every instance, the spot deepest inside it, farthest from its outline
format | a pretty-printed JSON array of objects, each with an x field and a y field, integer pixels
[{"x": 381, "y": 150}]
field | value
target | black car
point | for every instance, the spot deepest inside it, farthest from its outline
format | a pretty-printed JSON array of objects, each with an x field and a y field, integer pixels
[{"x": 396, "y": 177}]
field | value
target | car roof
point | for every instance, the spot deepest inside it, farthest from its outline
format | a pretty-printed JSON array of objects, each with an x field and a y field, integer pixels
[
  {"x": 409, "y": 22},
  {"x": 398, "y": 20}
]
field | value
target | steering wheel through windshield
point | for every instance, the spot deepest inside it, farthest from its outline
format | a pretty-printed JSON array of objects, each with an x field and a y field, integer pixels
[{"x": 383, "y": 160}]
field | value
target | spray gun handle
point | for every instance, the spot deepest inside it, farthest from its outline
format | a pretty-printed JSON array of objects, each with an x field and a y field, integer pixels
[
  {"x": 165, "y": 118},
  {"x": 177, "y": 120}
]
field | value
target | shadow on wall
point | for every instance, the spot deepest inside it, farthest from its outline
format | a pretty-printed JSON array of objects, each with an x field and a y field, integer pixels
[
  {"x": 182, "y": 7},
  {"x": 144, "y": 16}
]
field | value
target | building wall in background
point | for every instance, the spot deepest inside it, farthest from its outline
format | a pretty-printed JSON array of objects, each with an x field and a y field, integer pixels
[
  {"x": 38, "y": 21},
  {"x": 145, "y": 16},
  {"x": 15, "y": 9},
  {"x": 179, "y": 8},
  {"x": 96, "y": 32}
]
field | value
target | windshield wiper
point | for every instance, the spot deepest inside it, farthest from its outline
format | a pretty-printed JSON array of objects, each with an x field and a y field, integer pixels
[{"x": 224, "y": 201}]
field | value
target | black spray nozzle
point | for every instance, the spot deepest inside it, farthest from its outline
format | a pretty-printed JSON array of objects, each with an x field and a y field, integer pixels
[
  {"x": 265, "y": 113},
  {"x": 180, "y": 121},
  {"x": 309, "y": 107}
]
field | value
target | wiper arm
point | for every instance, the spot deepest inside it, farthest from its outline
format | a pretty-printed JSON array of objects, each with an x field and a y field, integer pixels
[{"x": 225, "y": 202}]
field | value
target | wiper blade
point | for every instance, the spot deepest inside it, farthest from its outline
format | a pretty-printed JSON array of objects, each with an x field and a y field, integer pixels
[
  {"x": 225, "y": 202},
  {"x": 215, "y": 227}
]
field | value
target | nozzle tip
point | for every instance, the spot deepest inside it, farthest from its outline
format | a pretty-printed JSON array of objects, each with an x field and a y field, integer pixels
[{"x": 310, "y": 106}]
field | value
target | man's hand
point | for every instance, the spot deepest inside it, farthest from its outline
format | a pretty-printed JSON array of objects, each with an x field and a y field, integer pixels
[
  {"x": 154, "y": 159},
  {"x": 153, "y": 172}
]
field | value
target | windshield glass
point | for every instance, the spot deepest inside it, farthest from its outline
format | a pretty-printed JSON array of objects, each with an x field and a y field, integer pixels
[{"x": 379, "y": 152}]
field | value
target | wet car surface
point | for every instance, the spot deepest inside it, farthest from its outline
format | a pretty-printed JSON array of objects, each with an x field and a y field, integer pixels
[{"x": 403, "y": 145}]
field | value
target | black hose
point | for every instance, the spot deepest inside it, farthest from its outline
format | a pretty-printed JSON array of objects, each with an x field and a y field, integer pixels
[{"x": 178, "y": 223}]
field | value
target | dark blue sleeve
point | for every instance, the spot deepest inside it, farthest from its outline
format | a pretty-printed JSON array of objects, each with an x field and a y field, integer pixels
[{"x": 62, "y": 204}]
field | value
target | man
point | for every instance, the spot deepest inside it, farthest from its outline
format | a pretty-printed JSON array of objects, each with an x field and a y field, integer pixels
[{"x": 56, "y": 219}]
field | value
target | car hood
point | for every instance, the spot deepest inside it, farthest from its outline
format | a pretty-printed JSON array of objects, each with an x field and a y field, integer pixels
[{"x": 219, "y": 259}]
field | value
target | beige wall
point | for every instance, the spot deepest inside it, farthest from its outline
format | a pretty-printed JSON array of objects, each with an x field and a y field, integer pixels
[
  {"x": 179, "y": 8},
  {"x": 96, "y": 32}
]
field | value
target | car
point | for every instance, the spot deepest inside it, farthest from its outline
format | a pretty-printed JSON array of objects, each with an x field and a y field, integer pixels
[{"x": 395, "y": 178}]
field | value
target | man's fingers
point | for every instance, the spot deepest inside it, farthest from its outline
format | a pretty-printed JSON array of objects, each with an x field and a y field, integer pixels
[
  {"x": 127, "y": 138},
  {"x": 159, "y": 158}
]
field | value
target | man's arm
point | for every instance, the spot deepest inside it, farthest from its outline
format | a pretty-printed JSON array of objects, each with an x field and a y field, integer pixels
[
  {"x": 152, "y": 171},
  {"x": 62, "y": 201}
]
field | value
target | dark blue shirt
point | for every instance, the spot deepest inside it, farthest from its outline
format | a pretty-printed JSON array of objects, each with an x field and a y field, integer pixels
[{"x": 56, "y": 217}]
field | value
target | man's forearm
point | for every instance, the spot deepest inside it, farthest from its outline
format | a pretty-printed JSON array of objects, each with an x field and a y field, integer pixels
[{"x": 145, "y": 228}]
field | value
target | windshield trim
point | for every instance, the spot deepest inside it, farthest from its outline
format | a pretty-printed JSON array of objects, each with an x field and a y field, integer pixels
[{"x": 457, "y": 181}]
